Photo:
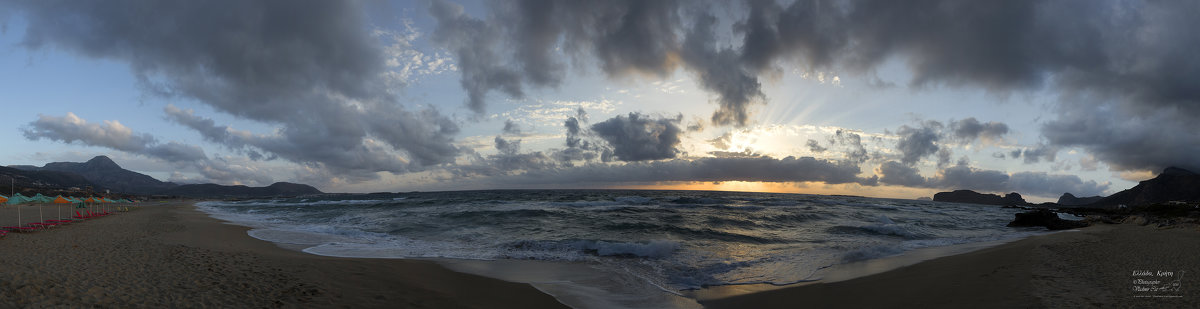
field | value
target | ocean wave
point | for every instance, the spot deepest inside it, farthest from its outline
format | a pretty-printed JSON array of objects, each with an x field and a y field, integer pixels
[
  {"x": 499, "y": 214},
  {"x": 873, "y": 252},
  {"x": 689, "y": 233},
  {"x": 876, "y": 229},
  {"x": 698, "y": 200},
  {"x": 586, "y": 203},
  {"x": 649, "y": 249},
  {"x": 789, "y": 218},
  {"x": 730, "y": 222},
  {"x": 633, "y": 200}
]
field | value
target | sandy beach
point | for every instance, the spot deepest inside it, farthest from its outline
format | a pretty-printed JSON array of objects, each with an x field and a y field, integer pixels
[
  {"x": 1095, "y": 267},
  {"x": 171, "y": 255}
]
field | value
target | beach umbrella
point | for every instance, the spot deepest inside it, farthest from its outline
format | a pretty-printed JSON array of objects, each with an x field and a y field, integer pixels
[
  {"x": 78, "y": 203},
  {"x": 17, "y": 200},
  {"x": 40, "y": 199},
  {"x": 58, "y": 201}
]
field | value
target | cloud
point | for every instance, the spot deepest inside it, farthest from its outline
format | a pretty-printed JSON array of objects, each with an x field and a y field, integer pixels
[
  {"x": 962, "y": 176},
  {"x": 1040, "y": 152},
  {"x": 896, "y": 173},
  {"x": 640, "y": 138},
  {"x": 621, "y": 37},
  {"x": 1129, "y": 53},
  {"x": 919, "y": 142},
  {"x": 228, "y": 170},
  {"x": 511, "y": 127},
  {"x": 967, "y": 130},
  {"x": 1050, "y": 185},
  {"x": 509, "y": 159},
  {"x": 814, "y": 146},
  {"x": 943, "y": 157},
  {"x": 112, "y": 135},
  {"x": 720, "y": 70},
  {"x": 474, "y": 43},
  {"x": 507, "y": 147},
  {"x": 312, "y": 68},
  {"x": 765, "y": 169},
  {"x": 965, "y": 177},
  {"x": 1152, "y": 141},
  {"x": 314, "y": 146},
  {"x": 856, "y": 152}
]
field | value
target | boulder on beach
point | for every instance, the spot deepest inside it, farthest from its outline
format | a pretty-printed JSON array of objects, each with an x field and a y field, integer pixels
[{"x": 1046, "y": 218}]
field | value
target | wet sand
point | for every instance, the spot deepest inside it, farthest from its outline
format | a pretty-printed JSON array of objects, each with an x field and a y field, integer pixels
[
  {"x": 171, "y": 255},
  {"x": 1090, "y": 268}
]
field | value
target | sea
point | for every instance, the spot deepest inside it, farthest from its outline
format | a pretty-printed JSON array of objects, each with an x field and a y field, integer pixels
[{"x": 620, "y": 248}]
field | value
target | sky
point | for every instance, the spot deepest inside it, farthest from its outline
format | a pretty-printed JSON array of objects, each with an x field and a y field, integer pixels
[{"x": 896, "y": 99}]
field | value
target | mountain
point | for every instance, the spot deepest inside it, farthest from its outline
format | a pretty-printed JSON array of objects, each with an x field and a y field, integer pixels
[
  {"x": 215, "y": 190},
  {"x": 1173, "y": 184},
  {"x": 102, "y": 171},
  {"x": 972, "y": 197},
  {"x": 1068, "y": 199}
]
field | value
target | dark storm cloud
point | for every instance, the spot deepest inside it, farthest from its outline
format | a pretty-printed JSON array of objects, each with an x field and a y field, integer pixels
[
  {"x": 474, "y": 42},
  {"x": 1050, "y": 185},
  {"x": 969, "y": 129},
  {"x": 965, "y": 177},
  {"x": 896, "y": 173},
  {"x": 112, "y": 135},
  {"x": 621, "y": 37},
  {"x": 310, "y": 67},
  {"x": 1135, "y": 53},
  {"x": 638, "y": 137},
  {"x": 962, "y": 176},
  {"x": 304, "y": 146},
  {"x": 1153, "y": 141},
  {"x": 765, "y": 169},
  {"x": 720, "y": 70},
  {"x": 919, "y": 142}
]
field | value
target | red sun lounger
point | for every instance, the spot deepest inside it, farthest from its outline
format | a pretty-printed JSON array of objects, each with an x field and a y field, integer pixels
[{"x": 19, "y": 228}]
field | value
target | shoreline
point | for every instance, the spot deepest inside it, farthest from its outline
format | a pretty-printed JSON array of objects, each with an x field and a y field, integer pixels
[
  {"x": 171, "y": 254},
  {"x": 1089, "y": 267},
  {"x": 857, "y": 269}
]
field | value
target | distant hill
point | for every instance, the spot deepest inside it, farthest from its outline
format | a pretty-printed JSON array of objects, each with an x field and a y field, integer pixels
[
  {"x": 1173, "y": 184},
  {"x": 972, "y": 197},
  {"x": 103, "y": 171},
  {"x": 1068, "y": 199},
  {"x": 40, "y": 179},
  {"x": 215, "y": 190}
]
